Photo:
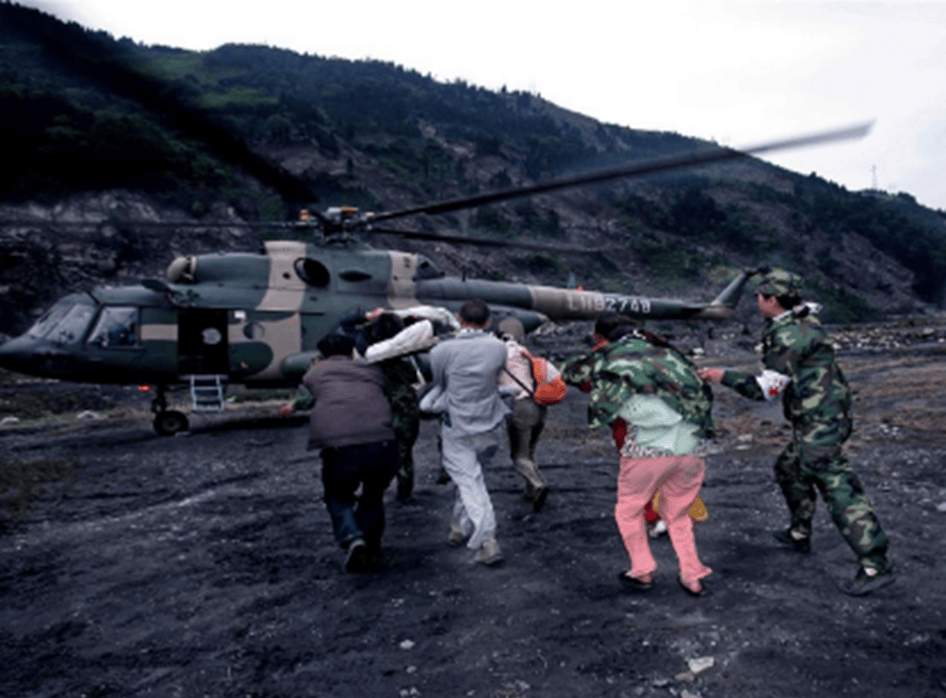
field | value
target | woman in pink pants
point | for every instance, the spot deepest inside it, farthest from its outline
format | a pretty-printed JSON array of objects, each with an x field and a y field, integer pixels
[
  {"x": 639, "y": 378},
  {"x": 679, "y": 479}
]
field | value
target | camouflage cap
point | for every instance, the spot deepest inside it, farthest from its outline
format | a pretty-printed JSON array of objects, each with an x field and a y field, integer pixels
[{"x": 779, "y": 282}]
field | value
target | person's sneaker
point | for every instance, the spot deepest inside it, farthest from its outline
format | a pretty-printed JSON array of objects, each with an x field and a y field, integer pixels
[
  {"x": 787, "y": 539},
  {"x": 489, "y": 553},
  {"x": 659, "y": 528},
  {"x": 867, "y": 580},
  {"x": 357, "y": 559},
  {"x": 456, "y": 536}
]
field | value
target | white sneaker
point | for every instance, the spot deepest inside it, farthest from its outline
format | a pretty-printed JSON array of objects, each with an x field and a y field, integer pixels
[{"x": 658, "y": 529}]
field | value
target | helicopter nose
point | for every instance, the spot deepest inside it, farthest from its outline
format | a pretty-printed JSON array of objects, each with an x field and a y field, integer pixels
[
  {"x": 13, "y": 354},
  {"x": 22, "y": 355}
]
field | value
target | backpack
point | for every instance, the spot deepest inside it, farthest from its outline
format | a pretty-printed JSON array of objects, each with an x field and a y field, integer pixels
[{"x": 549, "y": 386}]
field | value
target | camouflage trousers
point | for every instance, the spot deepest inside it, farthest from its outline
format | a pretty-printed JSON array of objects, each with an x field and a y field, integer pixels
[
  {"x": 812, "y": 462},
  {"x": 406, "y": 428}
]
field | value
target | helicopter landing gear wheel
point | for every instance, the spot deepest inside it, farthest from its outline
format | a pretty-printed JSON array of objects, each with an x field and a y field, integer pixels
[{"x": 170, "y": 423}]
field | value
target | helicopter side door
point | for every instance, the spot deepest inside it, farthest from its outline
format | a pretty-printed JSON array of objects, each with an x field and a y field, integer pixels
[{"x": 202, "y": 347}]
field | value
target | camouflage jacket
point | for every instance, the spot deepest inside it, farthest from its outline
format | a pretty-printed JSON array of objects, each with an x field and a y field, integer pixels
[
  {"x": 633, "y": 365},
  {"x": 399, "y": 378},
  {"x": 796, "y": 347}
]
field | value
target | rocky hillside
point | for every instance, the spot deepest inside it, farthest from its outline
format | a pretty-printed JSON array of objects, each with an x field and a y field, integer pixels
[{"x": 249, "y": 133}]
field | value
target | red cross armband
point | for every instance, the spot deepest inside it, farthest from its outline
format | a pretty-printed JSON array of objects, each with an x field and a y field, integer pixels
[{"x": 772, "y": 383}]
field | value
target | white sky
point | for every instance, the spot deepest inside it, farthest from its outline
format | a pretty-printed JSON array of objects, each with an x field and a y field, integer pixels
[{"x": 741, "y": 72}]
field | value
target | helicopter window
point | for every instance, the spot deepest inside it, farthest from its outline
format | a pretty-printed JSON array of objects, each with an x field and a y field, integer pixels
[
  {"x": 211, "y": 336},
  {"x": 42, "y": 326},
  {"x": 427, "y": 269},
  {"x": 254, "y": 330},
  {"x": 117, "y": 327},
  {"x": 312, "y": 271},
  {"x": 355, "y": 275},
  {"x": 72, "y": 325}
]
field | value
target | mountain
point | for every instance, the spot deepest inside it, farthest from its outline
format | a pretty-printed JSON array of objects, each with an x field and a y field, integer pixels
[{"x": 121, "y": 135}]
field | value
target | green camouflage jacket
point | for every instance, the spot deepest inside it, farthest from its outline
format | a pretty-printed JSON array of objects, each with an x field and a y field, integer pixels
[
  {"x": 800, "y": 366},
  {"x": 632, "y": 365}
]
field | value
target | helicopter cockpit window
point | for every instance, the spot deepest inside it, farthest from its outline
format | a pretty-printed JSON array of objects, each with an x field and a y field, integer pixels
[
  {"x": 312, "y": 271},
  {"x": 72, "y": 326},
  {"x": 52, "y": 316},
  {"x": 117, "y": 328},
  {"x": 427, "y": 269}
]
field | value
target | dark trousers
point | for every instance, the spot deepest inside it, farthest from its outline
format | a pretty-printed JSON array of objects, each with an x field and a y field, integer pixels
[{"x": 346, "y": 468}]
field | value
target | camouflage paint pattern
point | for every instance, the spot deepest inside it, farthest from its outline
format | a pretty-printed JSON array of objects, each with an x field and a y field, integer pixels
[{"x": 279, "y": 303}]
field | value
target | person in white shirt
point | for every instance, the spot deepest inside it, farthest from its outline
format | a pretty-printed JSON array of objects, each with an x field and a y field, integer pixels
[
  {"x": 466, "y": 393},
  {"x": 528, "y": 417}
]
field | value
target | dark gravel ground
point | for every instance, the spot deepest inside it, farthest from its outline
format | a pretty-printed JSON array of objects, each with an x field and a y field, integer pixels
[{"x": 203, "y": 565}]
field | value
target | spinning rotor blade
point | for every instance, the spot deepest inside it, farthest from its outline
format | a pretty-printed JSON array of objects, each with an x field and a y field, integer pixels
[
  {"x": 86, "y": 55},
  {"x": 486, "y": 242},
  {"x": 638, "y": 170}
]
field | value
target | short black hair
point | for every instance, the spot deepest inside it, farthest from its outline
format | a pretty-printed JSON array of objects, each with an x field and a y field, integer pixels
[
  {"x": 475, "y": 312},
  {"x": 609, "y": 321},
  {"x": 787, "y": 302},
  {"x": 335, "y": 344},
  {"x": 384, "y": 327}
]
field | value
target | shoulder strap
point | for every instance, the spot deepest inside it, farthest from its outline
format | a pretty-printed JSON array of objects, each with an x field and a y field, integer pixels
[{"x": 520, "y": 383}]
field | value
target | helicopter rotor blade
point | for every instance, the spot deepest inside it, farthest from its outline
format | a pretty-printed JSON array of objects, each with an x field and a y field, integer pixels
[
  {"x": 97, "y": 61},
  {"x": 636, "y": 170},
  {"x": 486, "y": 242}
]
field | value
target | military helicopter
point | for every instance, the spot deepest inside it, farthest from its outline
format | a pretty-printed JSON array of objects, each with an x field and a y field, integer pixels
[{"x": 254, "y": 319}]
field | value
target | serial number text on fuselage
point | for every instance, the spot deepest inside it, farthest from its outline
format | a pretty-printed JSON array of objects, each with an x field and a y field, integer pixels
[{"x": 600, "y": 303}]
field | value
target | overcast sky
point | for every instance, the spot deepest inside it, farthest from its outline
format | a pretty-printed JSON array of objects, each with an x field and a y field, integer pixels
[{"x": 739, "y": 72}]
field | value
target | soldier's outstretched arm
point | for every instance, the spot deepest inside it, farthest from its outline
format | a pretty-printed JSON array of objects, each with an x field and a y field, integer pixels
[{"x": 766, "y": 386}]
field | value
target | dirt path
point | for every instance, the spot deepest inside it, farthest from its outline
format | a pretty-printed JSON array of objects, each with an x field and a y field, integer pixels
[{"x": 203, "y": 565}]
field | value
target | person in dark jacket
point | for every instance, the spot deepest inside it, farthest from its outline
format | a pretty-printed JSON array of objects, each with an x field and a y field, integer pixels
[
  {"x": 351, "y": 424},
  {"x": 400, "y": 375}
]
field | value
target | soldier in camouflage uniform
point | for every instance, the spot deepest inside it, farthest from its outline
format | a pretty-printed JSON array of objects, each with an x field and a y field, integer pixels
[
  {"x": 399, "y": 378},
  {"x": 800, "y": 367},
  {"x": 640, "y": 367}
]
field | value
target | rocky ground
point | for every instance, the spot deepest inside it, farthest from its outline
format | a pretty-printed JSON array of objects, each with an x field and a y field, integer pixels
[{"x": 203, "y": 565}]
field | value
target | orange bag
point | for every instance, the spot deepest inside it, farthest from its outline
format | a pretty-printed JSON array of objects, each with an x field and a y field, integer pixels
[{"x": 549, "y": 386}]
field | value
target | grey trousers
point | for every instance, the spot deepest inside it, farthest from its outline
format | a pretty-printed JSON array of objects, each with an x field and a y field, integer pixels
[{"x": 525, "y": 426}]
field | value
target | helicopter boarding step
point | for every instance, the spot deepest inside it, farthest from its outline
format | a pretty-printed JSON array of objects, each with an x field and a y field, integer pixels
[{"x": 207, "y": 393}]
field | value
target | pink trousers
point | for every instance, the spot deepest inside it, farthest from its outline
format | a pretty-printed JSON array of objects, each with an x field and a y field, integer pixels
[{"x": 679, "y": 479}]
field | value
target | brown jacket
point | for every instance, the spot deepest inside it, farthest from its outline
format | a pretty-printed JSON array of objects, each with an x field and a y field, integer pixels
[{"x": 350, "y": 404}]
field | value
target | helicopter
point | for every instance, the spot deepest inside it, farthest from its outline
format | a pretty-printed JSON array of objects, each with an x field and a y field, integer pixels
[{"x": 254, "y": 318}]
